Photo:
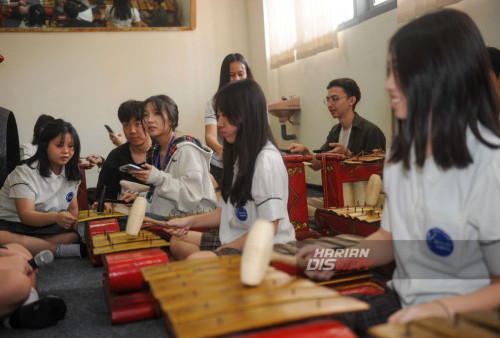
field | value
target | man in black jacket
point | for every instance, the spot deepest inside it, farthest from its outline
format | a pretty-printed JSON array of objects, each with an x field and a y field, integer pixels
[{"x": 353, "y": 134}]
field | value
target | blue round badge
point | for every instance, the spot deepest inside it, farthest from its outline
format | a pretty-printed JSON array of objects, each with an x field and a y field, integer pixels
[
  {"x": 439, "y": 242},
  {"x": 69, "y": 196},
  {"x": 241, "y": 213}
]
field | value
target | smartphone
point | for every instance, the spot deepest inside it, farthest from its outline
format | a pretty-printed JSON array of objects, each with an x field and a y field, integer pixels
[
  {"x": 128, "y": 167},
  {"x": 109, "y": 129},
  {"x": 319, "y": 151}
]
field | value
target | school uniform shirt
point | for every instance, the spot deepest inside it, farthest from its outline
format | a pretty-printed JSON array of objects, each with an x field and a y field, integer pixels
[
  {"x": 270, "y": 199},
  {"x": 444, "y": 224},
  {"x": 211, "y": 119},
  {"x": 185, "y": 185},
  {"x": 50, "y": 194},
  {"x": 27, "y": 150},
  {"x": 115, "y": 22}
]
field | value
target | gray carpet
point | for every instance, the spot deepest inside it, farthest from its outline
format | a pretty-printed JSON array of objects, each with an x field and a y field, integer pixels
[{"x": 80, "y": 285}]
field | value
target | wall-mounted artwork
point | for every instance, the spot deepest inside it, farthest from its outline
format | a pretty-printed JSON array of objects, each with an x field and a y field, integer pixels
[{"x": 96, "y": 15}]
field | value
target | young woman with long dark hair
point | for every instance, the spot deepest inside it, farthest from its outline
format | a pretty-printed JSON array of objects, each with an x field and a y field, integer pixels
[
  {"x": 255, "y": 180},
  {"x": 123, "y": 14},
  {"x": 234, "y": 67},
  {"x": 177, "y": 166},
  {"x": 442, "y": 176},
  {"x": 38, "y": 201}
]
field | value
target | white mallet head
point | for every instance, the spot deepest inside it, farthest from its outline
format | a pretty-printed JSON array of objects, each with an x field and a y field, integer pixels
[
  {"x": 136, "y": 216},
  {"x": 373, "y": 190},
  {"x": 257, "y": 251}
]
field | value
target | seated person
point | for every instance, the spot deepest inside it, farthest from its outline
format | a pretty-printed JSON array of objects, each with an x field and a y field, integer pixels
[
  {"x": 29, "y": 149},
  {"x": 122, "y": 14},
  {"x": 353, "y": 134},
  {"x": 254, "y": 182},
  {"x": 131, "y": 152},
  {"x": 18, "y": 8},
  {"x": 441, "y": 178},
  {"x": 72, "y": 9},
  {"x": 177, "y": 166},
  {"x": 38, "y": 204},
  {"x": 20, "y": 305},
  {"x": 158, "y": 16},
  {"x": 234, "y": 67},
  {"x": 84, "y": 11},
  {"x": 36, "y": 17}
]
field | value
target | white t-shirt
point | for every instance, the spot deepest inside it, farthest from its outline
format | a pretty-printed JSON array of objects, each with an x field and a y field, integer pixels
[
  {"x": 211, "y": 119},
  {"x": 444, "y": 224},
  {"x": 86, "y": 15},
  {"x": 122, "y": 23},
  {"x": 27, "y": 150},
  {"x": 270, "y": 199},
  {"x": 50, "y": 194}
]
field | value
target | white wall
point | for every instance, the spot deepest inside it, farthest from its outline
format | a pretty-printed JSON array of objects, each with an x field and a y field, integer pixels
[
  {"x": 83, "y": 77},
  {"x": 361, "y": 56}
]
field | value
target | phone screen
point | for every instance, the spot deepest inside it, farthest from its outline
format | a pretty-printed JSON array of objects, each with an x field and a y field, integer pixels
[{"x": 128, "y": 167}]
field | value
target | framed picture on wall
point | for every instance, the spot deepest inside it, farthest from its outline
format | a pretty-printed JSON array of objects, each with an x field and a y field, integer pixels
[{"x": 96, "y": 15}]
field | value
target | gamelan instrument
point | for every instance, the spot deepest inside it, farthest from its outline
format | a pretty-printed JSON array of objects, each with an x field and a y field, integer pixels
[
  {"x": 361, "y": 281},
  {"x": 123, "y": 255},
  {"x": 340, "y": 215},
  {"x": 258, "y": 253},
  {"x": 205, "y": 297},
  {"x": 323, "y": 328},
  {"x": 121, "y": 241},
  {"x": 361, "y": 221},
  {"x": 336, "y": 170},
  {"x": 89, "y": 215},
  {"x": 337, "y": 242},
  {"x": 297, "y": 205},
  {"x": 126, "y": 291},
  {"x": 95, "y": 226},
  {"x": 82, "y": 197},
  {"x": 482, "y": 324}
]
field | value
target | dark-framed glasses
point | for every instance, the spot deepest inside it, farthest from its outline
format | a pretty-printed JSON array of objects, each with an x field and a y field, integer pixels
[{"x": 333, "y": 99}]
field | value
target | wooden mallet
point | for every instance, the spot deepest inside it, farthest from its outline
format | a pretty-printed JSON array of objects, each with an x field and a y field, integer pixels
[
  {"x": 136, "y": 216},
  {"x": 258, "y": 253},
  {"x": 373, "y": 189}
]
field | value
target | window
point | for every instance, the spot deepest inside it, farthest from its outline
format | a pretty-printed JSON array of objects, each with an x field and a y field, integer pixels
[
  {"x": 367, "y": 9},
  {"x": 379, "y": 2},
  {"x": 297, "y": 29}
]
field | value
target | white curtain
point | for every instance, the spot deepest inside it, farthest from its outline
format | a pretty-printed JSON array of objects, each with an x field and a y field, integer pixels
[
  {"x": 410, "y": 9},
  {"x": 281, "y": 31},
  {"x": 315, "y": 27},
  {"x": 307, "y": 26}
]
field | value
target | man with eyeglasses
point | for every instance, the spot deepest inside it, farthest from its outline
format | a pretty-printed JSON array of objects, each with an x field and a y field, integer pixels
[{"x": 353, "y": 134}]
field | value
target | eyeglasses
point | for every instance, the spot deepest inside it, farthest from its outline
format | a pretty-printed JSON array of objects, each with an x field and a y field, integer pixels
[{"x": 333, "y": 98}]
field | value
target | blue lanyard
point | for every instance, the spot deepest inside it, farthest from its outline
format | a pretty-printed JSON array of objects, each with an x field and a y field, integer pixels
[{"x": 166, "y": 154}]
